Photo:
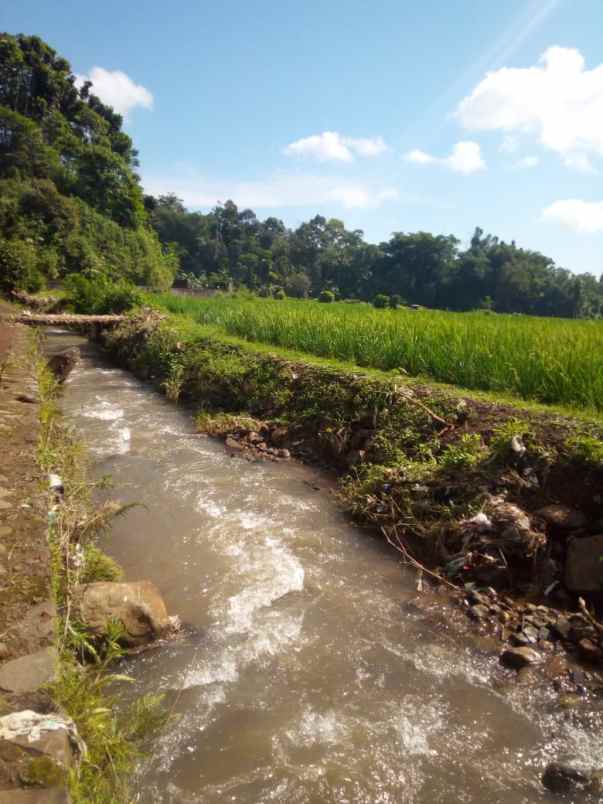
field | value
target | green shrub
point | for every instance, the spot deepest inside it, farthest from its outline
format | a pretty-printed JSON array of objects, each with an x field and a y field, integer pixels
[
  {"x": 19, "y": 267},
  {"x": 381, "y": 301},
  {"x": 98, "y": 566},
  {"x": 327, "y": 296},
  {"x": 98, "y": 295},
  {"x": 279, "y": 293},
  {"x": 587, "y": 450},
  {"x": 395, "y": 301},
  {"x": 464, "y": 453}
]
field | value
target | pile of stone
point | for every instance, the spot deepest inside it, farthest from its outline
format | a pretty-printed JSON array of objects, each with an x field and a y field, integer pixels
[
  {"x": 528, "y": 628},
  {"x": 262, "y": 444}
]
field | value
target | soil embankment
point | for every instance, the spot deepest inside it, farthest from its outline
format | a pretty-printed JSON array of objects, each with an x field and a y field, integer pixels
[{"x": 26, "y": 611}]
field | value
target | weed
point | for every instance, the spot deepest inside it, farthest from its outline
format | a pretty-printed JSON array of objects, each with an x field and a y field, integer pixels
[
  {"x": 587, "y": 450},
  {"x": 466, "y": 452}
]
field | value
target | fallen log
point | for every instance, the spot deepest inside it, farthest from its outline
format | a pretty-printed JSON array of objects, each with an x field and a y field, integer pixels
[{"x": 62, "y": 319}]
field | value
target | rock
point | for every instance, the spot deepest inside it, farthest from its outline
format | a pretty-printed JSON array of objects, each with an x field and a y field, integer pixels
[
  {"x": 284, "y": 454},
  {"x": 29, "y": 673},
  {"x": 31, "y": 400},
  {"x": 562, "y": 627},
  {"x": 279, "y": 436},
  {"x": 589, "y": 651},
  {"x": 530, "y": 633},
  {"x": 561, "y": 778},
  {"x": 561, "y": 517},
  {"x": 5, "y": 530},
  {"x": 520, "y": 639},
  {"x": 232, "y": 443},
  {"x": 4, "y": 651},
  {"x": 137, "y": 605},
  {"x": 570, "y": 701},
  {"x": 583, "y": 565},
  {"x": 595, "y": 785},
  {"x": 38, "y": 750},
  {"x": 556, "y": 667},
  {"x": 63, "y": 363},
  {"x": 517, "y": 658},
  {"x": 479, "y": 612}
]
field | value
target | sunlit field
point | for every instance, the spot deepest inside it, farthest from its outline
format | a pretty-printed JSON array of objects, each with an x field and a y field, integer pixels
[{"x": 544, "y": 359}]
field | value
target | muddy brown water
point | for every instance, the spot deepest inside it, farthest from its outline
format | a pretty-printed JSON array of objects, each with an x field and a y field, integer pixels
[{"x": 304, "y": 679}]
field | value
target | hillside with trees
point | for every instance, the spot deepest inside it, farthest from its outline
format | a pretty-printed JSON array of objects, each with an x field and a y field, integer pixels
[
  {"x": 70, "y": 198},
  {"x": 232, "y": 246}
]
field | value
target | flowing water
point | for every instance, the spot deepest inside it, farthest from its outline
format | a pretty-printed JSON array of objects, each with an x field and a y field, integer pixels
[{"x": 305, "y": 677}]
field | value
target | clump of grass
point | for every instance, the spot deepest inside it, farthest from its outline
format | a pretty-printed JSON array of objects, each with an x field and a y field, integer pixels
[
  {"x": 98, "y": 566},
  {"x": 217, "y": 424},
  {"x": 112, "y": 736},
  {"x": 507, "y": 437},
  {"x": 586, "y": 450},
  {"x": 466, "y": 452}
]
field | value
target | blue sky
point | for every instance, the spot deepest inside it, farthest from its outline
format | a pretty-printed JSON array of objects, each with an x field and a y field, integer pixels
[{"x": 391, "y": 115}]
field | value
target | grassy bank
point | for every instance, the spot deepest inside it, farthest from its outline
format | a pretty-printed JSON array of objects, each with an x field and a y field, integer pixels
[
  {"x": 553, "y": 361},
  {"x": 112, "y": 734},
  {"x": 416, "y": 461}
]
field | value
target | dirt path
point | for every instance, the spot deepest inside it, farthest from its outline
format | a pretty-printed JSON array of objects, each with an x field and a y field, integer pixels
[{"x": 26, "y": 617}]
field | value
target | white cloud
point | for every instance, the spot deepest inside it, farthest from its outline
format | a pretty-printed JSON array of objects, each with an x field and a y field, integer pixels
[
  {"x": 281, "y": 190},
  {"x": 527, "y": 162},
  {"x": 584, "y": 217},
  {"x": 332, "y": 147},
  {"x": 466, "y": 158},
  {"x": 419, "y": 157},
  {"x": 117, "y": 89},
  {"x": 558, "y": 101}
]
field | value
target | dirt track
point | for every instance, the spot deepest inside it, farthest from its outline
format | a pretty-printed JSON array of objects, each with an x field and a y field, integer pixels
[{"x": 25, "y": 613}]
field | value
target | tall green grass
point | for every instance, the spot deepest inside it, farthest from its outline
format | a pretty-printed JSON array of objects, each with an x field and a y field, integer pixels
[{"x": 554, "y": 361}]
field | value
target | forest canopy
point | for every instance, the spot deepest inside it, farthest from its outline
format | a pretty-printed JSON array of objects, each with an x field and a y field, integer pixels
[
  {"x": 229, "y": 246},
  {"x": 70, "y": 198}
]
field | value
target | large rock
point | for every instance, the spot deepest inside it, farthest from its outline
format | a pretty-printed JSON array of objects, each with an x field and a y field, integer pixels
[
  {"x": 137, "y": 605},
  {"x": 37, "y": 751},
  {"x": 584, "y": 564},
  {"x": 517, "y": 658},
  {"x": 63, "y": 363},
  {"x": 563, "y": 778},
  {"x": 29, "y": 673},
  {"x": 559, "y": 516}
]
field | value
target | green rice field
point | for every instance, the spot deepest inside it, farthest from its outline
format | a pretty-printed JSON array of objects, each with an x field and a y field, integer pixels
[{"x": 549, "y": 360}]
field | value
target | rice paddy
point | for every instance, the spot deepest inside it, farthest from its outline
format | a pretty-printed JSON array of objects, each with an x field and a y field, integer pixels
[{"x": 548, "y": 360}]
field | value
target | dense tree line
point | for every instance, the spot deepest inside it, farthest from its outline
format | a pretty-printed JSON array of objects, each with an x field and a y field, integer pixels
[
  {"x": 70, "y": 199},
  {"x": 232, "y": 246}
]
